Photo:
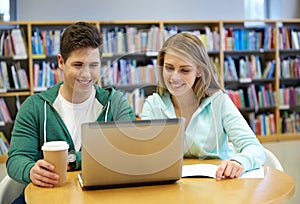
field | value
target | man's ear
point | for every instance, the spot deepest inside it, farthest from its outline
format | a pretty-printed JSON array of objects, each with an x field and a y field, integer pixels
[{"x": 60, "y": 61}]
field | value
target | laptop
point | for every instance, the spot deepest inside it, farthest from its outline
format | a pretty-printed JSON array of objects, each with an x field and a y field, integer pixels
[{"x": 131, "y": 153}]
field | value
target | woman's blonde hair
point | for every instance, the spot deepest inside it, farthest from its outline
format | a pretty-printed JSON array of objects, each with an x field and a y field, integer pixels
[{"x": 189, "y": 46}]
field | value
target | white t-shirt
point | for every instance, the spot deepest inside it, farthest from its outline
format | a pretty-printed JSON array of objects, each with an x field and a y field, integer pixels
[{"x": 74, "y": 115}]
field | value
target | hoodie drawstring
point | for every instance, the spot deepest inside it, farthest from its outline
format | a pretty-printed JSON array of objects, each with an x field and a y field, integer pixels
[
  {"x": 106, "y": 113},
  {"x": 45, "y": 122},
  {"x": 215, "y": 123}
]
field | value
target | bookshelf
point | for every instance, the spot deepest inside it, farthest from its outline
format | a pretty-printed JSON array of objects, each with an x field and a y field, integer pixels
[{"x": 250, "y": 57}]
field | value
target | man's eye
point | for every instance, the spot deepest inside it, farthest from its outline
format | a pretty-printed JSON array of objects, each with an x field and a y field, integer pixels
[{"x": 77, "y": 65}]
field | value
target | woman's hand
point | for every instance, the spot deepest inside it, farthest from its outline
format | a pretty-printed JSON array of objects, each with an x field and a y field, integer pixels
[
  {"x": 229, "y": 169},
  {"x": 41, "y": 174}
]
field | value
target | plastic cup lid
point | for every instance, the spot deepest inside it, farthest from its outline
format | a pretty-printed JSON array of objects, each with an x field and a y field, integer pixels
[{"x": 55, "y": 146}]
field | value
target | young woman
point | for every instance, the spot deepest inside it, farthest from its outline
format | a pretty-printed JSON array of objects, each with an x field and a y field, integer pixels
[{"x": 188, "y": 88}]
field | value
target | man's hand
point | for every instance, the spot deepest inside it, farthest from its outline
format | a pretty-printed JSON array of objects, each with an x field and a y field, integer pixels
[{"x": 41, "y": 174}]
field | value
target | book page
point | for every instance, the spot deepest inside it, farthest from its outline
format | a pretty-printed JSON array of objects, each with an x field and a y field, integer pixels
[{"x": 209, "y": 170}]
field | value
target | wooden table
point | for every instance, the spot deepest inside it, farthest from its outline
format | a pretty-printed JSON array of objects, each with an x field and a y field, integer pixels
[{"x": 275, "y": 187}]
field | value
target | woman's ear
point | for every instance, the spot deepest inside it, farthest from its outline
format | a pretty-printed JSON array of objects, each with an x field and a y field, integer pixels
[{"x": 198, "y": 75}]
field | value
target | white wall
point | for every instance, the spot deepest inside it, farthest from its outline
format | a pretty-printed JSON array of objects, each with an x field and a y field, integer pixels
[
  {"x": 284, "y": 9},
  {"x": 51, "y": 10},
  {"x": 290, "y": 9}
]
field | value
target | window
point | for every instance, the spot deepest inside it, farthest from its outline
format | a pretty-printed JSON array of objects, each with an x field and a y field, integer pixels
[
  {"x": 4, "y": 10},
  {"x": 255, "y": 9}
]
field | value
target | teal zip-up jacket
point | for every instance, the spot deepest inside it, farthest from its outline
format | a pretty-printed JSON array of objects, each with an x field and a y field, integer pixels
[
  {"x": 214, "y": 122},
  {"x": 28, "y": 133}
]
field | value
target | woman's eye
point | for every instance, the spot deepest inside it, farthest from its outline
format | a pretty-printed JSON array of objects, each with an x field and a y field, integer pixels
[
  {"x": 94, "y": 65},
  {"x": 169, "y": 68},
  {"x": 185, "y": 70}
]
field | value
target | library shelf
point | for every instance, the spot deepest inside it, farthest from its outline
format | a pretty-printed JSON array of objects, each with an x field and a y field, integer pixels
[{"x": 228, "y": 43}]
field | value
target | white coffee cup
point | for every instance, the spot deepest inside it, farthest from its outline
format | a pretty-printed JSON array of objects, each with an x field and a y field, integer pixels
[{"x": 56, "y": 153}]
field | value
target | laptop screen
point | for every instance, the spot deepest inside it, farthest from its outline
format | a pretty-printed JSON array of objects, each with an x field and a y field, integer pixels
[{"x": 132, "y": 151}]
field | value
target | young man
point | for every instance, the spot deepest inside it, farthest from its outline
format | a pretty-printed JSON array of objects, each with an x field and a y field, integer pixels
[{"x": 57, "y": 114}]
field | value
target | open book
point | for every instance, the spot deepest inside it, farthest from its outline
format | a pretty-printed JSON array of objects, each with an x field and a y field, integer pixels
[{"x": 209, "y": 170}]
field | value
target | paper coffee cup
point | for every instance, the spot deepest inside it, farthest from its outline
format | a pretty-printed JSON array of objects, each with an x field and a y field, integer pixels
[{"x": 56, "y": 153}]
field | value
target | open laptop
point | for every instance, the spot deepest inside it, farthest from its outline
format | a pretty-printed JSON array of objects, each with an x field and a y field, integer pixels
[{"x": 131, "y": 153}]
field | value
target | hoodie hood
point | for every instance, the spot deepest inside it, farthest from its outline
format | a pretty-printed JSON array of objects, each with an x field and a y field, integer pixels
[{"x": 102, "y": 95}]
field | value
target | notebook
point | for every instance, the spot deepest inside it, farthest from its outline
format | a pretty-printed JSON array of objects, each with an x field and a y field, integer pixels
[{"x": 131, "y": 153}]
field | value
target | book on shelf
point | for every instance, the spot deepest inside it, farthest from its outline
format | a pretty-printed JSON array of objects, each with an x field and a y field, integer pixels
[
  {"x": 8, "y": 47},
  {"x": 252, "y": 97},
  {"x": 22, "y": 76},
  {"x": 269, "y": 69},
  {"x": 5, "y": 111},
  {"x": 290, "y": 67},
  {"x": 2, "y": 37},
  {"x": 15, "y": 77},
  {"x": 290, "y": 122},
  {"x": 230, "y": 72},
  {"x": 1, "y": 80},
  {"x": 237, "y": 97},
  {"x": 45, "y": 75},
  {"x": 294, "y": 40},
  {"x": 4, "y": 144},
  {"x": 2, "y": 119},
  {"x": 136, "y": 99},
  {"x": 45, "y": 42},
  {"x": 132, "y": 43},
  {"x": 18, "y": 42},
  {"x": 296, "y": 67},
  {"x": 272, "y": 123},
  {"x": 264, "y": 124},
  {"x": 56, "y": 41},
  {"x": 3, "y": 147},
  {"x": 5, "y": 76},
  {"x": 250, "y": 67},
  {"x": 127, "y": 72}
]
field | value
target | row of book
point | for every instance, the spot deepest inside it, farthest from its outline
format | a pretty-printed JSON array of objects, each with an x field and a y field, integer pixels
[
  {"x": 4, "y": 113},
  {"x": 127, "y": 72},
  {"x": 290, "y": 67},
  {"x": 289, "y": 122},
  {"x": 288, "y": 38},
  {"x": 289, "y": 96},
  {"x": 13, "y": 44},
  {"x": 119, "y": 40},
  {"x": 210, "y": 37},
  {"x": 249, "y": 39},
  {"x": 261, "y": 96},
  {"x": 45, "y": 42},
  {"x": 4, "y": 144},
  {"x": 13, "y": 77},
  {"x": 262, "y": 124},
  {"x": 46, "y": 74},
  {"x": 249, "y": 67},
  {"x": 136, "y": 99},
  {"x": 130, "y": 39}
]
